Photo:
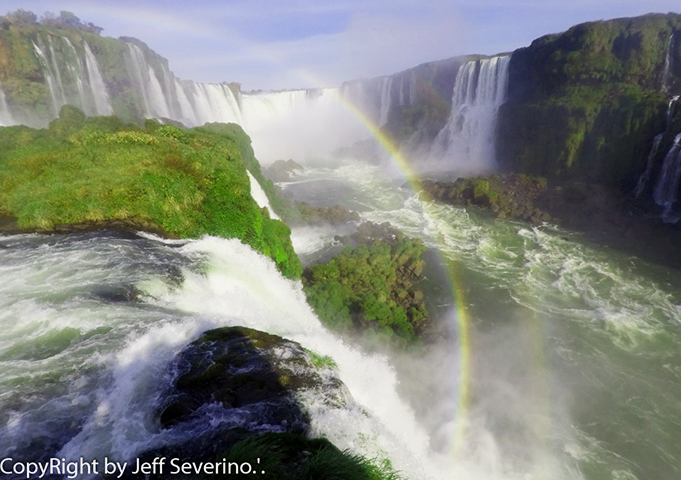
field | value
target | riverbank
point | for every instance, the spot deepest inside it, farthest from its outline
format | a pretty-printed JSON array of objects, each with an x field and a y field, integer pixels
[{"x": 602, "y": 214}]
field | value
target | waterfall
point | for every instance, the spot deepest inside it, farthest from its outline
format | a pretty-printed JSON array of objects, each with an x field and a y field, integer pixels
[
  {"x": 215, "y": 103},
  {"x": 385, "y": 100},
  {"x": 667, "y": 63},
  {"x": 645, "y": 177},
  {"x": 187, "y": 110},
  {"x": 666, "y": 190},
  {"x": 55, "y": 93},
  {"x": 97, "y": 86},
  {"x": 467, "y": 140},
  {"x": 401, "y": 97},
  {"x": 260, "y": 196},
  {"x": 5, "y": 114},
  {"x": 302, "y": 124},
  {"x": 72, "y": 78},
  {"x": 76, "y": 72},
  {"x": 56, "y": 74},
  {"x": 148, "y": 84}
]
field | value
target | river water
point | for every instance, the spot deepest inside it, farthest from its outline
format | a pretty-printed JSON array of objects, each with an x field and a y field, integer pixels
[{"x": 573, "y": 349}]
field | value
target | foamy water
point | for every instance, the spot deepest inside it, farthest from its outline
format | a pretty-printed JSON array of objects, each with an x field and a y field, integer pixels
[{"x": 574, "y": 359}]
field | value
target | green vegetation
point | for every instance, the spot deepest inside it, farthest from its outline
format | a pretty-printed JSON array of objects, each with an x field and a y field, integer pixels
[
  {"x": 321, "y": 361},
  {"x": 289, "y": 456},
  {"x": 184, "y": 183},
  {"x": 371, "y": 288},
  {"x": 507, "y": 196},
  {"x": 243, "y": 141},
  {"x": 586, "y": 104}
]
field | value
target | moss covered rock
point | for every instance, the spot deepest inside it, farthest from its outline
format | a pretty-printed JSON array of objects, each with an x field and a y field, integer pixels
[
  {"x": 586, "y": 104},
  {"x": 100, "y": 170},
  {"x": 255, "y": 372},
  {"x": 372, "y": 289}
]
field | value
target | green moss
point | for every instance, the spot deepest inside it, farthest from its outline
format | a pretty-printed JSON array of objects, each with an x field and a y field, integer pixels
[
  {"x": 184, "y": 183},
  {"x": 321, "y": 361},
  {"x": 587, "y": 103},
  {"x": 371, "y": 289}
]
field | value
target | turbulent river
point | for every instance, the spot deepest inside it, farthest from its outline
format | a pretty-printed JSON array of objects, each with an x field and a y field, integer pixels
[{"x": 573, "y": 351}]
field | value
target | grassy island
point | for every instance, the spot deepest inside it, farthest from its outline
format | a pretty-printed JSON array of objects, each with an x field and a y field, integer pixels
[
  {"x": 371, "y": 289},
  {"x": 100, "y": 171}
]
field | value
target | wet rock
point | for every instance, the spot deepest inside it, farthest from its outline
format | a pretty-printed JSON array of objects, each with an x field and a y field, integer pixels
[
  {"x": 303, "y": 214},
  {"x": 256, "y": 373},
  {"x": 281, "y": 170}
]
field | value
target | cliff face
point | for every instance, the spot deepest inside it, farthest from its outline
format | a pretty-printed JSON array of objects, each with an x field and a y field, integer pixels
[
  {"x": 44, "y": 67},
  {"x": 419, "y": 117},
  {"x": 586, "y": 104}
]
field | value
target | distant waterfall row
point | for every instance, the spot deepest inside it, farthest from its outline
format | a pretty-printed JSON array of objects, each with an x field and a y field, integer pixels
[{"x": 295, "y": 123}]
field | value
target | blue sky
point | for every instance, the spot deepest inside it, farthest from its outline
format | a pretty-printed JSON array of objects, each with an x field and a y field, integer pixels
[{"x": 269, "y": 44}]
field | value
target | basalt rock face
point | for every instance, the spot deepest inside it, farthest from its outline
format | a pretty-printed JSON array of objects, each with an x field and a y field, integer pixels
[
  {"x": 586, "y": 104},
  {"x": 241, "y": 396},
  {"x": 235, "y": 383}
]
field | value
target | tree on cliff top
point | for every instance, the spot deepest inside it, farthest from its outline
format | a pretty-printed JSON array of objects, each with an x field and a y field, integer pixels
[{"x": 65, "y": 19}]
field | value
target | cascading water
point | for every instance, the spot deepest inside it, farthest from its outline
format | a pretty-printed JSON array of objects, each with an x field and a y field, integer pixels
[
  {"x": 385, "y": 100},
  {"x": 55, "y": 93},
  {"x": 6, "y": 118},
  {"x": 466, "y": 143},
  {"x": 148, "y": 85},
  {"x": 108, "y": 353},
  {"x": 573, "y": 346},
  {"x": 302, "y": 124},
  {"x": 99, "y": 91},
  {"x": 216, "y": 103},
  {"x": 668, "y": 59},
  {"x": 72, "y": 77},
  {"x": 260, "y": 196},
  {"x": 645, "y": 176},
  {"x": 56, "y": 73},
  {"x": 75, "y": 69},
  {"x": 666, "y": 191}
]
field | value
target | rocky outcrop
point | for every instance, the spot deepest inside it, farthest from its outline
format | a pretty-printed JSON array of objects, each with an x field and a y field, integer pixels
[
  {"x": 281, "y": 170},
  {"x": 507, "y": 196},
  {"x": 238, "y": 391},
  {"x": 254, "y": 373},
  {"x": 586, "y": 104}
]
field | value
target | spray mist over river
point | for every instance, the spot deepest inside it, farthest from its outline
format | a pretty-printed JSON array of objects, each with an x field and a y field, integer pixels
[{"x": 575, "y": 361}]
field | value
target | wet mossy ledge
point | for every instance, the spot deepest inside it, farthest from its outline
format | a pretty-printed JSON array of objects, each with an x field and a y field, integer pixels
[
  {"x": 252, "y": 387},
  {"x": 100, "y": 172}
]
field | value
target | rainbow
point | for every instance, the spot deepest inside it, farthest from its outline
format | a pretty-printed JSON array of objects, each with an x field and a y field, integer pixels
[{"x": 462, "y": 317}]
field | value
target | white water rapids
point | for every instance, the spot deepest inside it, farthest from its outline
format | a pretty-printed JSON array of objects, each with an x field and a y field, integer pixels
[{"x": 574, "y": 352}]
